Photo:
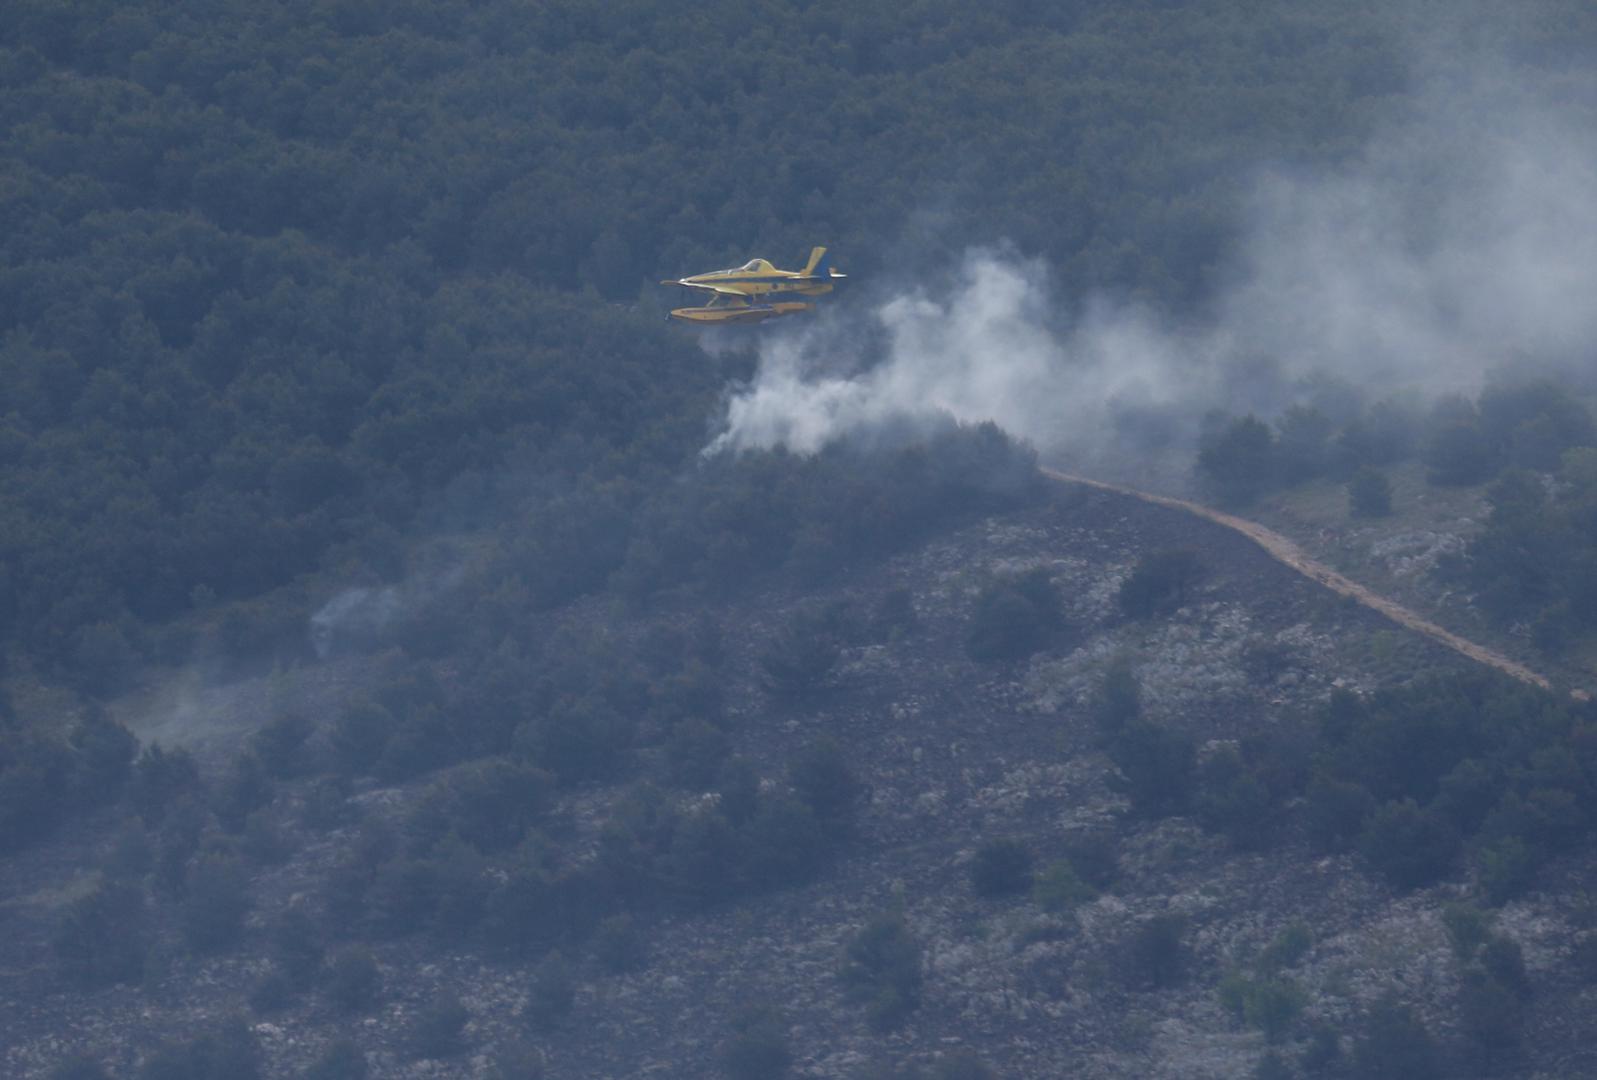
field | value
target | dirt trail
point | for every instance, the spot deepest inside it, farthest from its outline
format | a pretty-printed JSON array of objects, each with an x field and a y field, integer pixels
[{"x": 1285, "y": 551}]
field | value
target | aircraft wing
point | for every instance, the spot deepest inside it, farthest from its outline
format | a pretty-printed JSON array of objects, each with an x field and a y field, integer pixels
[{"x": 722, "y": 290}]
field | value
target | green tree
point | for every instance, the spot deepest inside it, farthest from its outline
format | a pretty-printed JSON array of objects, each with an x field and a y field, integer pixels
[
  {"x": 1369, "y": 494},
  {"x": 1014, "y": 616},
  {"x": 1001, "y": 868},
  {"x": 1161, "y": 581},
  {"x": 1392, "y": 1044},
  {"x": 757, "y": 1048},
  {"x": 1240, "y": 461},
  {"x": 1156, "y": 954},
  {"x": 552, "y": 991},
  {"x": 342, "y": 1060},
  {"x": 216, "y": 899},
  {"x": 102, "y": 938},
  {"x": 1409, "y": 846},
  {"x": 353, "y": 980},
  {"x": 440, "y": 1027},
  {"x": 882, "y": 971}
]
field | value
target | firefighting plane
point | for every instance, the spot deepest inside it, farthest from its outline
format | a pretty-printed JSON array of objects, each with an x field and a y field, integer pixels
[{"x": 757, "y": 291}]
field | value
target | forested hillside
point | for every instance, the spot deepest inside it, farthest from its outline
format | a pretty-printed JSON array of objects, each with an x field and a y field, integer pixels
[
  {"x": 333, "y": 366},
  {"x": 273, "y": 279}
]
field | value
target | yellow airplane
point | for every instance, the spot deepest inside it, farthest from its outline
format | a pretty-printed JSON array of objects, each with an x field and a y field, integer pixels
[{"x": 757, "y": 291}]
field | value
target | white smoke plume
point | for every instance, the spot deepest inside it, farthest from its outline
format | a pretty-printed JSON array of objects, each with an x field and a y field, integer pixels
[{"x": 1461, "y": 241}]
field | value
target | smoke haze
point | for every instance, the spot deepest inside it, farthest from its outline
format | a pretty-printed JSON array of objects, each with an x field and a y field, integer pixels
[{"x": 1459, "y": 242}]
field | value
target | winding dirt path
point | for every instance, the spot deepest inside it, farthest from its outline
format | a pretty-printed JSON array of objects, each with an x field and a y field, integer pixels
[{"x": 1285, "y": 551}]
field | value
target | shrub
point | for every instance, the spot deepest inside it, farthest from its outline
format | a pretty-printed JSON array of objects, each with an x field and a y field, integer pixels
[
  {"x": 1157, "y": 766},
  {"x": 1231, "y": 800},
  {"x": 342, "y": 1060},
  {"x": 882, "y": 970},
  {"x": 1161, "y": 581},
  {"x": 553, "y": 990},
  {"x": 618, "y": 945},
  {"x": 1014, "y": 616},
  {"x": 1001, "y": 868},
  {"x": 1239, "y": 462},
  {"x": 280, "y": 745},
  {"x": 1059, "y": 888},
  {"x": 1286, "y": 948},
  {"x": 1468, "y": 928},
  {"x": 216, "y": 899},
  {"x": 79, "y": 1068},
  {"x": 1392, "y": 1044},
  {"x": 440, "y": 1026},
  {"x": 103, "y": 937},
  {"x": 230, "y": 1052},
  {"x": 695, "y": 752},
  {"x": 1335, "y": 812},
  {"x": 823, "y": 780},
  {"x": 758, "y": 1048},
  {"x": 1409, "y": 846},
  {"x": 1369, "y": 494},
  {"x": 353, "y": 981},
  {"x": 1156, "y": 956},
  {"x": 798, "y": 662},
  {"x": 1118, "y": 702},
  {"x": 1273, "y": 1005}
]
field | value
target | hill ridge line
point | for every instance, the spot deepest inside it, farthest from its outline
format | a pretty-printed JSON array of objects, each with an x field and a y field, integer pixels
[{"x": 1290, "y": 554}]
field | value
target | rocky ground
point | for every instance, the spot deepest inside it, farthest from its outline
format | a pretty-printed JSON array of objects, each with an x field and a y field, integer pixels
[{"x": 953, "y": 754}]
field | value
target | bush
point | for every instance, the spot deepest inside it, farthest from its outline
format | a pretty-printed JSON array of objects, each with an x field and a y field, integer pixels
[
  {"x": 1015, "y": 615},
  {"x": 1059, "y": 888},
  {"x": 1001, "y": 868},
  {"x": 1273, "y": 1005},
  {"x": 882, "y": 970},
  {"x": 79, "y": 1068},
  {"x": 1118, "y": 702},
  {"x": 619, "y": 946},
  {"x": 439, "y": 1029},
  {"x": 1335, "y": 812},
  {"x": 1232, "y": 801},
  {"x": 1392, "y": 1044},
  {"x": 1468, "y": 928},
  {"x": 271, "y": 993},
  {"x": 230, "y": 1052},
  {"x": 1369, "y": 494},
  {"x": 1156, "y": 956},
  {"x": 353, "y": 980},
  {"x": 1161, "y": 581},
  {"x": 824, "y": 781},
  {"x": 798, "y": 662},
  {"x": 102, "y": 937},
  {"x": 280, "y": 745},
  {"x": 696, "y": 752},
  {"x": 553, "y": 990},
  {"x": 216, "y": 899},
  {"x": 1239, "y": 463},
  {"x": 1492, "y": 1013},
  {"x": 1158, "y": 767},
  {"x": 160, "y": 778},
  {"x": 757, "y": 1049},
  {"x": 1408, "y": 846},
  {"x": 342, "y": 1060},
  {"x": 1286, "y": 948}
]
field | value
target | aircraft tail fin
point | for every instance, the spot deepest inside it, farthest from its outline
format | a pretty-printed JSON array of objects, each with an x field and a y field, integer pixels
[{"x": 820, "y": 265}]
